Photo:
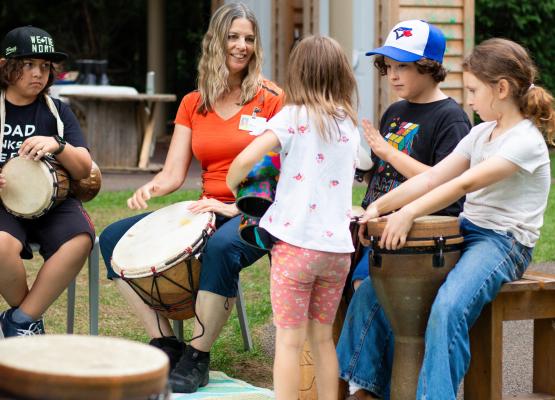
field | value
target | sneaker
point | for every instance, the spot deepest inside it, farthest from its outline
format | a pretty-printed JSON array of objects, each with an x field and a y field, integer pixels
[
  {"x": 171, "y": 346},
  {"x": 9, "y": 328},
  {"x": 191, "y": 372}
]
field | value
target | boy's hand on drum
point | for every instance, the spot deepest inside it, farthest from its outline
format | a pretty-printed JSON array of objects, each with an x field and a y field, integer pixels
[
  {"x": 212, "y": 205},
  {"x": 37, "y": 147},
  {"x": 2, "y": 181},
  {"x": 375, "y": 140},
  {"x": 139, "y": 199},
  {"x": 396, "y": 229}
]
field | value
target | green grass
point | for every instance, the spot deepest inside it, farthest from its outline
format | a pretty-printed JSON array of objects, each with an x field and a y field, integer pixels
[{"x": 228, "y": 354}]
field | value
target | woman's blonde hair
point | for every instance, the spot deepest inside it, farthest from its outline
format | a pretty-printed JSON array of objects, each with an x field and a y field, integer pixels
[
  {"x": 212, "y": 68},
  {"x": 496, "y": 59},
  {"x": 320, "y": 77}
]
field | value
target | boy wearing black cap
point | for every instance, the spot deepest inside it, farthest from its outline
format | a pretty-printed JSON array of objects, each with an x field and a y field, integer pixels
[
  {"x": 32, "y": 125},
  {"x": 415, "y": 133}
]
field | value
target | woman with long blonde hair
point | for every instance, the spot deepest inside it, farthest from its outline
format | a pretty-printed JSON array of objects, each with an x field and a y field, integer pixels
[
  {"x": 309, "y": 219},
  {"x": 209, "y": 127}
]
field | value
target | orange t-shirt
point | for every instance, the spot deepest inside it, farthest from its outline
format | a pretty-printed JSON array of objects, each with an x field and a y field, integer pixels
[{"x": 216, "y": 142}]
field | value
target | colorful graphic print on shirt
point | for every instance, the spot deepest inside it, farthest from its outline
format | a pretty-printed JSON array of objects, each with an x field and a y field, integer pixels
[{"x": 400, "y": 135}]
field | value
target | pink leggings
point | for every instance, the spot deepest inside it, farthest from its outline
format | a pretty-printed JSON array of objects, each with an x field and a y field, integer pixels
[{"x": 306, "y": 284}]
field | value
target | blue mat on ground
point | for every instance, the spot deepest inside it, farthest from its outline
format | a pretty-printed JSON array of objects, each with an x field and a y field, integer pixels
[{"x": 221, "y": 386}]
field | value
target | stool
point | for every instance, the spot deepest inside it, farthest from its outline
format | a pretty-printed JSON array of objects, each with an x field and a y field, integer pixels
[
  {"x": 532, "y": 297},
  {"x": 93, "y": 291},
  {"x": 241, "y": 315}
]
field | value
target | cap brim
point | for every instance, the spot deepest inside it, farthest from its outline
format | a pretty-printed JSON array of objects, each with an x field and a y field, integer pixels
[
  {"x": 395, "y": 54},
  {"x": 55, "y": 57}
]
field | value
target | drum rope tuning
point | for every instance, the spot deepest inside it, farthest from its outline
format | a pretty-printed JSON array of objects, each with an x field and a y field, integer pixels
[{"x": 155, "y": 294}]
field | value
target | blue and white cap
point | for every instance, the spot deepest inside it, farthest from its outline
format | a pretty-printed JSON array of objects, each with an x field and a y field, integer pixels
[{"x": 411, "y": 40}]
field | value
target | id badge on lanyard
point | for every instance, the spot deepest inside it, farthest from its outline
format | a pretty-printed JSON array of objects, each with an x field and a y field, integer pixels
[{"x": 253, "y": 124}]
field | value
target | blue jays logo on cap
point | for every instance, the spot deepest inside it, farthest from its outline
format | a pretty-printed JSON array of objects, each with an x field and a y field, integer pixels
[
  {"x": 412, "y": 40},
  {"x": 402, "y": 32}
]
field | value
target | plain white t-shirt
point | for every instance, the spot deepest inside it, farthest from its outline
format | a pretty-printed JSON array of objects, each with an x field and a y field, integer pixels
[
  {"x": 312, "y": 207},
  {"x": 515, "y": 204}
]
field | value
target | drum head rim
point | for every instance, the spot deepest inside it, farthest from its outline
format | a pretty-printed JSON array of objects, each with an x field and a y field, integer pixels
[
  {"x": 169, "y": 261},
  {"x": 49, "y": 196}
]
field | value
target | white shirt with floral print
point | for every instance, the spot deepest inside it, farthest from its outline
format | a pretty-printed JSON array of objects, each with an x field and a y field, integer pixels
[{"x": 313, "y": 202}]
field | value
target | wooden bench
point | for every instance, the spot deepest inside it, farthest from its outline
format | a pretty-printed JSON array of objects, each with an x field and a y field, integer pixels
[{"x": 532, "y": 297}]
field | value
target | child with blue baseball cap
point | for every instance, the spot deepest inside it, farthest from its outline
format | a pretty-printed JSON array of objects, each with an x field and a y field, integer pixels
[{"x": 414, "y": 134}]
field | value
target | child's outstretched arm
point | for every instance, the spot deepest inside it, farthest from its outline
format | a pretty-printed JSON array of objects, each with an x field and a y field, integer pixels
[
  {"x": 484, "y": 174},
  {"x": 245, "y": 161}
]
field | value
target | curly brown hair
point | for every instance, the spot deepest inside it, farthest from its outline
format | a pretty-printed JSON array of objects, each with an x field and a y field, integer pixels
[
  {"x": 423, "y": 66},
  {"x": 12, "y": 69}
]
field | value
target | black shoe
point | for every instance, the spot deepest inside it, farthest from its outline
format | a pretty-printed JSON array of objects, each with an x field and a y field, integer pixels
[
  {"x": 191, "y": 372},
  {"x": 173, "y": 348}
]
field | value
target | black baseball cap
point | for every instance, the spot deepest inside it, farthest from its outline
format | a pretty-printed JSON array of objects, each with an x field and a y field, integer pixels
[{"x": 30, "y": 42}]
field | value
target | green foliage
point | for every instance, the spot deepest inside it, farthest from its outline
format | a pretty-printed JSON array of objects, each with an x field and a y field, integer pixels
[{"x": 530, "y": 23}]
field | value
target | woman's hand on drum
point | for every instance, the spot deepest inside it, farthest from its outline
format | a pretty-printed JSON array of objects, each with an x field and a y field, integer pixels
[
  {"x": 37, "y": 147},
  {"x": 375, "y": 140},
  {"x": 2, "y": 180},
  {"x": 143, "y": 194},
  {"x": 396, "y": 229},
  {"x": 205, "y": 205}
]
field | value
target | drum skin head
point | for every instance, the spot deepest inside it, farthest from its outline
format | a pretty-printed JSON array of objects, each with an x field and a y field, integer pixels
[
  {"x": 160, "y": 240},
  {"x": 29, "y": 188},
  {"x": 83, "y": 367}
]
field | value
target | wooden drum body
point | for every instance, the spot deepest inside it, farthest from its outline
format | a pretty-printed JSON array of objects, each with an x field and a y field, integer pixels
[
  {"x": 158, "y": 257},
  {"x": 33, "y": 187},
  {"x": 406, "y": 282},
  {"x": 86, "y": 189},
  {"x": 59, "y": 367}
]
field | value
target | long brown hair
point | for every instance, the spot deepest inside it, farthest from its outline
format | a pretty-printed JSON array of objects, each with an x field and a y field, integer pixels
[
  {"x": 320, "y": 77},
  {"x": 496, "y": 59},
  {"x": 212, "y": 68}
]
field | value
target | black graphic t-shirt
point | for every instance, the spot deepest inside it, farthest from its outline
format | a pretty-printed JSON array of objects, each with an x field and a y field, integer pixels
[
  {"x": 36, "y": 119},
  {"x": 426, "y": 132}
]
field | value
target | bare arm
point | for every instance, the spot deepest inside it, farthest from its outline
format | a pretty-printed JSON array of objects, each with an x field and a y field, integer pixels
[
  {"x": 450, "y": 167},
  {"x": 173, "y": 173},
  {"x": 76, "y": 160},
  {"x": 243, "y": 163},
  {"x": 402, "y": 162},
  {"x": 484, "y": 174}
]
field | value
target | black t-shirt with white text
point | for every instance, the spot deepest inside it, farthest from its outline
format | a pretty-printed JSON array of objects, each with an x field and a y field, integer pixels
[
  {"x": 36, "y": 119},
  {"x": 427, "y": 132}
]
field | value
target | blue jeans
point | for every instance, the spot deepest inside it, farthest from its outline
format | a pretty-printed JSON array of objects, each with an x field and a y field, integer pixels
[
  {"x": 488, "y": 260},
  {"x": 223, "y": 257}
]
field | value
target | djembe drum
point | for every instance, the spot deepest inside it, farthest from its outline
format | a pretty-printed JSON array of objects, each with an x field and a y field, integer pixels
[
  {"x": 406, "y": 282},
  {"x": 257, "y": 191},
  {"x": 158, "y": 258},
  {"x": 60, "y": 367},
  {"x": 33, "y": 187}
]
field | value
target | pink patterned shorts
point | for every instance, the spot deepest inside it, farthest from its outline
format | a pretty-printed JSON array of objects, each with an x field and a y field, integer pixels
[{"x": 306, "y": 284}]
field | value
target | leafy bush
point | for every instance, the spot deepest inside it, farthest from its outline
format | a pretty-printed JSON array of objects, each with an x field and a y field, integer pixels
[{"x": 528, "y": 22}]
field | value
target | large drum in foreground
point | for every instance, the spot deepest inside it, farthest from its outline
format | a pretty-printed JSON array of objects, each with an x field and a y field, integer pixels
[
  {"x": 59, "y": 367},
  {"x": 406, "y": 282},
  {"x": 158, "y": 257}
]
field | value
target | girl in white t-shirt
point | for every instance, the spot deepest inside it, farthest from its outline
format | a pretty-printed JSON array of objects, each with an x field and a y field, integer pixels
[
  {"x": 318, "y": 141},
  {"x": 502, "y": 166}
]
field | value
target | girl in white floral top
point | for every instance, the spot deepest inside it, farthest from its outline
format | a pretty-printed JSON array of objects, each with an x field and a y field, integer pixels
[{"x": 317, "y": 138}]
